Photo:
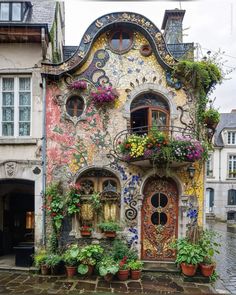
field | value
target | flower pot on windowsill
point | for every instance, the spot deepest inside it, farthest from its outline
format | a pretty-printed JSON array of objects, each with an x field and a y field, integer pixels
[
  {"x": 110, "y": 234},
  {"x": 85, "y": 233},
  {"x": 207, "y": 269},
  {"x": 188, "y": 269}
]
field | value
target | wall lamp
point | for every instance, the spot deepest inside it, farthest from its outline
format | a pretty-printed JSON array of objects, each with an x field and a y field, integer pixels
[{"x": 191, "y": 170}]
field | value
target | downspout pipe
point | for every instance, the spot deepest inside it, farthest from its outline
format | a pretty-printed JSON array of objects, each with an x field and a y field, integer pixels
[{"x": 44, "y": 142}]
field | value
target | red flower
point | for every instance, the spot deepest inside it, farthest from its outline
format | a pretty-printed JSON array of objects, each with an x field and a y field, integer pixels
[
  {"x": 78, "y": 205},
  {"x": 53, "y": 214}
]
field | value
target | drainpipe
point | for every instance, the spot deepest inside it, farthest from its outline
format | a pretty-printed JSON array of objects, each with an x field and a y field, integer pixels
[
  {"x": 44, "y": 162},
  {"x": 220, "y": 164}
]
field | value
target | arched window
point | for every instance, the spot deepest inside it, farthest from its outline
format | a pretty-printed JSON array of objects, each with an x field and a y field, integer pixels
[
  {"x": 75, "y": 106},
  {"x": 150, "y": 110},
  {"x": 121, "y": 40},
  {"x": 232, "y": 197}
]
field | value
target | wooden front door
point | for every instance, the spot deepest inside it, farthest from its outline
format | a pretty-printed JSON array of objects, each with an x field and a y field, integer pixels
[{"x": 159, "y": 219}]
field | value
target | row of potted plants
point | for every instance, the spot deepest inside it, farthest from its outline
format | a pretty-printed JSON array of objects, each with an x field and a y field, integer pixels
[
  {"x": 200, "y": 254},
  {"x": 86, "y": 260},
  {"x": 157, "y": 145},
  {"x": 109, "y": 228}
]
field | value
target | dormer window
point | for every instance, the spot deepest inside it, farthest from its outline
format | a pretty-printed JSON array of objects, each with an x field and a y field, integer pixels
[
  {"x": 231, "y": 137},
  {"x": 12, "y": 11}
]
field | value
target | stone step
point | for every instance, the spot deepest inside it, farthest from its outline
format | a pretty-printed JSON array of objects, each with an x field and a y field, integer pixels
[
  {"x": 168, "y": 267},
  {"x": 210, "y": 216}
]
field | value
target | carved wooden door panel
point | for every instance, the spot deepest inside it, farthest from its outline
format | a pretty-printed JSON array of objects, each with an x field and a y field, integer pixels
[{"x": 159, "y": 219}]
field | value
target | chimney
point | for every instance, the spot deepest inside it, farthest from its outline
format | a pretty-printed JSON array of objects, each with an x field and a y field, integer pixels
[{"x": 172, "y": 26}]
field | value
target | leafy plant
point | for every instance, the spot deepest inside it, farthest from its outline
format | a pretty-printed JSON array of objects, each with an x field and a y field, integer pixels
[
  {"x": 123, "y": 264},
  {"x": 70, "y": 256},
  {"x": 135, "y": 265},
  {"x": 40, "y": 258},
  {"x": 109, "y": 226},
  {"x": 73, "y": 199},
  {"x": 120, "y": 249},
  {"x": 211, "y": 115},
  {"x": 214, "y": 276},
  {"x": 209, "y": 245},
  {"x": 187, "y": 252},
  {"x": 107, "y": 266},
  {"x": 53, "y": 259},
  {"x": 96, "y": 201}
]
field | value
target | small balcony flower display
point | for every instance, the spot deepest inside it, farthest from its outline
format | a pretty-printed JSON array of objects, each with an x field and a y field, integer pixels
[
  {"x": 78, "y": 85},
  {"x": 104, "y": 95},
  {"x": 157, "y": 146}
]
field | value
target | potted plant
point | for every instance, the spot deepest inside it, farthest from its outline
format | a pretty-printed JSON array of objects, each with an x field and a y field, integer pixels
[
  {"x": 209, "y": 246},
  {"x": 54, "y": 261},
  {"x": 135, "y": 269},
  {"x": 123, "y": 272},
  {"x": 211, "y": 118},
  {"x": 73, "y": 198},
  {"x": 85, "y": 230},
  {"x": 88, "y": 256},
  {"x": 108, "y": 268},
  {"x": 40, "y": 261},
  {"x": 109, "y": 228},
  {"x": 189, "y": 255},
  {"x": 70, "y": 258},
  {"x": 78, "y": 85},
  {"x": 104, "y": 95}
]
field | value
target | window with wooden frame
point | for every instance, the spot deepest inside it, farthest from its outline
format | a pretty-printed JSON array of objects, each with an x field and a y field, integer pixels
[
  {"x": 12, "y": 11},
  {"x": 75, "y": 106},
  {"x": 121, "y": 40},
  {"x": 149, "y": 110}
]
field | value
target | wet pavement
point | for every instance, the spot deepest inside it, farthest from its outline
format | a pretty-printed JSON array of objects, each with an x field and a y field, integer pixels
[
  {"x": 226, "y": 260},
  {"x": 158, "y": 283}
]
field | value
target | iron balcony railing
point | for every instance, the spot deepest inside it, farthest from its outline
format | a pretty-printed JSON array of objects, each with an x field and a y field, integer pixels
[{"x": 172, "y": 132}]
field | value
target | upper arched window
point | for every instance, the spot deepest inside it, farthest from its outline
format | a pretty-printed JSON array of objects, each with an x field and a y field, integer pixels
[
  {"x": 149, "y": 109},
  {"x": 121, "y": 40},
  {"x": 75, "y": 106}
]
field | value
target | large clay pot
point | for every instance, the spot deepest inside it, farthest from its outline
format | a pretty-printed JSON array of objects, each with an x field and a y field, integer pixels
[
  {"x": 207, "y": 269},
  {"x": 85, "y": 233},
  {"x": 188, "y": 269},
  {"x": 45, "y": 270},
  {"x": 135, "y": 274},
  {"x": 70, "y": 271},
  {"x": 110, "y": 234},
  {"x": 123, "y": 274}
]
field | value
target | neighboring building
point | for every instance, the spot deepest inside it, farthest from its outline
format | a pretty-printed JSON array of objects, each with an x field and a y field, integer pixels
[
  {"x": 30, "y": 32},
  {"x": 127, "y": 51},
  {"x": 221, "y": 171}
]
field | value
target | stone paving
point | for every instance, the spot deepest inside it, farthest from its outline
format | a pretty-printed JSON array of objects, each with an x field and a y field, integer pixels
[
  {"x": 226, "y": 260},
  {"x": 158, "y": 283}
]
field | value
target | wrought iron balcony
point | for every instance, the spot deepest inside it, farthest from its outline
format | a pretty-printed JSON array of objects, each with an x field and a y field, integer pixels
[{"x": 152, "y": 141}]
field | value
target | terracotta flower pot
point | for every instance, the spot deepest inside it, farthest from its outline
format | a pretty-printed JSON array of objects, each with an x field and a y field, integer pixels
[
  {"x": 45, "y": 270},
  {"x": 207, "y": 269},
  {"x": 188, "y": 269},
  {"x": 70, "y": 271},
  {"x": 123, "y": 274},
  {"x": 135, "y": 274},
  {"x": 110, "y": 234},
  {"x": 108, "y": 277},
  {"x": 90, "y": 270},
  {"x": 85, "y": 233}
]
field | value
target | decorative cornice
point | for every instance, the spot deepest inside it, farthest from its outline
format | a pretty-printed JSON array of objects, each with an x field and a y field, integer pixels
[{"x": 141, "y": 23}]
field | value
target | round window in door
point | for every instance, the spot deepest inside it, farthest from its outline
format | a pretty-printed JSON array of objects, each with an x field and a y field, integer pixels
[{"x": 159, "y": 219}]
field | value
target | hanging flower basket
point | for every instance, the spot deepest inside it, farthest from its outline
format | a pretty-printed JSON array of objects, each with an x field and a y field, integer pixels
[
  {"x": 104, "y": 95},
  {"x": 78, "y": 85}
]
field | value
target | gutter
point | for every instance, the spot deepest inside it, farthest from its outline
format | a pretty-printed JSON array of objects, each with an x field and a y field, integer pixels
[{"x": 44, "y": 163}]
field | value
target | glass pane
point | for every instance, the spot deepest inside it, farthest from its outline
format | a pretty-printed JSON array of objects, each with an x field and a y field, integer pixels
[
  {"x": 155, "y": 218},
  {"x": 4, "y": 11},
  {"x": 24, "y": 129},
  {"x": 115, "y": 41},
  {"x": 16, "y": 11},
  {"x": 8, "y": 99},
  {"x": 158, "y": 118},
  {"x": 24, "y": 114},
  {"x": 75, "y": 106},
  {"x": 125, "y": 41},
  {"x": 7, "y": 114},
  {"x": 155, "y": 201},
  {"x": 24, "y": 84},
  {"x": 7, "y": 129},
  {"x": 7, "y": 84},
  {"x": 163, "y": 200},
  {"x": 24, "y": 99},
  {"x": 163, "y": 218}
]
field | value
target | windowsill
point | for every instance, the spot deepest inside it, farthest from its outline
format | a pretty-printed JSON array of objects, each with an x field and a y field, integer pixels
[
  {"x": 231, "y": 178},
  {"x": 18, "y": 141},
  {"x": 210, "y": 177}
]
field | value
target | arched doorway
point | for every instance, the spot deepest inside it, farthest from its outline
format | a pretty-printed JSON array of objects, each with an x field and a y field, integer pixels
[
  {"x": 159, "y": 218},
  {"x": 16, "y": 214},
  {"x": 149, "y": 110}
]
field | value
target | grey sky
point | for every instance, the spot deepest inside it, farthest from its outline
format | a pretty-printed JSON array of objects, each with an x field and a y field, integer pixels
[{"x": 211, "y": 23}]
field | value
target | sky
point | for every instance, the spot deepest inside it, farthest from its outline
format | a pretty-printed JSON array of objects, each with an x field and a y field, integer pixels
[{"x": 209, "y": 23}]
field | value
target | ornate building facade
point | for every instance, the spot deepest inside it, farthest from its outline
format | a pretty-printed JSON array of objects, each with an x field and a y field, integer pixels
[{"x": 125, "y": 54}]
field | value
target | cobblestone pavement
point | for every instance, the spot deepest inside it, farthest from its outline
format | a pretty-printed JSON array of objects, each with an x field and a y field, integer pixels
[
  {"x": 158, "y": 283},
  {"x": 226, "y": 260}
]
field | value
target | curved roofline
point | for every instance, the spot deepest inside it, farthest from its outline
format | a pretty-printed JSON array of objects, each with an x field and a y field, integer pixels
[{"x": 101, "y": 24}]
